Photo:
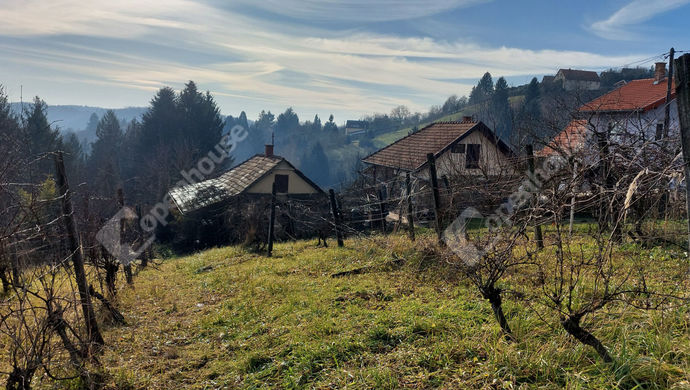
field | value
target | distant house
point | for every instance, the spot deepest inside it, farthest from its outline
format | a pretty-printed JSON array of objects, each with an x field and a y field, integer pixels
[
  {"x": 636, "y": 109},
  {"x": 547, "y": 79},
  {"x": 465, "y": 148},
  {"x": 252, "y": 178},
  {"x": 578, "y": 80},
  {"x": 356, "y": 128}
]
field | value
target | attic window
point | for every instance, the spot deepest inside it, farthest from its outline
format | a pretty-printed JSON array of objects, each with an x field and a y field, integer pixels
[
  {"x": 458, "y": 148},
  {"x": 281, "y": 184},
  {"x": 472, "y": 156},
  {"x": 659, "y": 131}
]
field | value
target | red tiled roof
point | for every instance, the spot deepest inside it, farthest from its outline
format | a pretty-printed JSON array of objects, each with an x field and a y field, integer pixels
[
  {"x": 409, "y": 153},
  {"x": 636, "y": 95},
  {"x": 568, "y": 140}
]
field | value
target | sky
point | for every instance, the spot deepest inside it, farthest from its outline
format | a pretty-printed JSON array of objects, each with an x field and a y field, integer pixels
[{"x": 346, "y": 57}]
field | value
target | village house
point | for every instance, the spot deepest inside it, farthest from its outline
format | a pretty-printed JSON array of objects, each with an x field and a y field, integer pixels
[
  {"x": 634, "y": 111},
  {"x": 460, "y": 148},
  {"x": 577, "y": 80},
  {"x": 253, "y": 177},
  {"x": 356, "y": 128},
  {"x": 216, "y": 207}
]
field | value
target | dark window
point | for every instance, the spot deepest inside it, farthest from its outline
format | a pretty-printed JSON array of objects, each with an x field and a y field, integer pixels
[
  {"x": 659, "y": 131},
  {"x": 281, "y": 183},
  {"x": 472, "y": 156},
  {"x": 458, "y": 148}
]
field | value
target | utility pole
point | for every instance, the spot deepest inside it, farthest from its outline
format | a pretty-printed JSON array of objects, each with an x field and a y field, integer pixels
[
  {"x": 682, "y": 65},
  {"x": 667, "y": 108},
  {"x": 410, "y": 217},
  {"x": 538, "y": 237},
  {"x": 94, "y": 334},
  {"x": 437, "y": 198}
]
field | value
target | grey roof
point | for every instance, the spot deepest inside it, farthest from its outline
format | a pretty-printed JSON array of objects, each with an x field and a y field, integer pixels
[{"x": 231, "y": 183}]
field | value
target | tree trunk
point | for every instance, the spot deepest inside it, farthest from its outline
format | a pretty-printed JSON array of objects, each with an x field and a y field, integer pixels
[
  {"x": 572, "y": 326},
  {"x": 111, "y": 276},
  {"x": 6, "y": 285},
  {"x": 20, "y": 379},
  {"x": 493, "y": 295}
]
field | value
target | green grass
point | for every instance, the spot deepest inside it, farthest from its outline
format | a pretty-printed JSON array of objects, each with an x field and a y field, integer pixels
[{"x": 284, "y": 322}]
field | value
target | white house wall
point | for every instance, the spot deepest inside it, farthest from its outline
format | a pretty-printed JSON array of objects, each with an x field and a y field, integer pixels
[{"x": 296, "y": 185}]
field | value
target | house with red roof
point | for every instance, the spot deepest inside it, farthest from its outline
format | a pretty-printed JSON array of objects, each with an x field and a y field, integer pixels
[{"x": 635, "y": 112}]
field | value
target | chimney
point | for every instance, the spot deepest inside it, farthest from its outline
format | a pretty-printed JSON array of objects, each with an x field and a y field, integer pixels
[
  {"x": 659, "y": 72},
  {"x": 269, "y": 150},
  {"x": 467, "y": 119}
]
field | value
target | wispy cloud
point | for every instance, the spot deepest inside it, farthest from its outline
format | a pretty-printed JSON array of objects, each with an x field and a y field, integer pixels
[
  {"x": 357, "y": 10},
  {"x": 248, "y": 62},
  {"x": 618, "y": 26}
]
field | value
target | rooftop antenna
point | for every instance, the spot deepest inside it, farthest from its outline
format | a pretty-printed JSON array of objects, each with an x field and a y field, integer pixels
[{"x": 273, "y": 135}]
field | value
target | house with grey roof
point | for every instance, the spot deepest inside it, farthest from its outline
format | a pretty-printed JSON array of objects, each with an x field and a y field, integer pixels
[
  {"x": 254, "y": 177},
  {"x": 578, "y": 80}
]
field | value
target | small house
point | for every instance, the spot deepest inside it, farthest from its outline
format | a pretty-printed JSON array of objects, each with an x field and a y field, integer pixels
[
  {"x": 231, "y": 207},
  {"x": 356, "y": 128},
  {"x": 578, "y": 80}
]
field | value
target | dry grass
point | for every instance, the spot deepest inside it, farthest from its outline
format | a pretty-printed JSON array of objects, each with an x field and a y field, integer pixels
[
  {"x": 229, "y": 318},
  {"x": 226, "y": 318}
]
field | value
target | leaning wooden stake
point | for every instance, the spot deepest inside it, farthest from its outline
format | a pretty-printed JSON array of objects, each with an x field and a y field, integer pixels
[
  {"x": 410, "y": 217},
  {"x": 537, "y": 229},
  {"x": 336, "y": 220},
  {"x": 271, "y": 223},
  {"x": 683, "y": 95},
  {"x": 437, "y": 197},
  {"x": 94, "y": 334}
]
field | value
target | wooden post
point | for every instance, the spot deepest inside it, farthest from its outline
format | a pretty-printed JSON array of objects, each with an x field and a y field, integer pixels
[
  {"x": 683, "y": 99},
  {"x": 572, "y": 202},
  {"x": 410, "y": 217},
  {"x": 537, "y": 229},
  {"x": 336, "y": 220},
  {"x": 437, "y": 198},
  {"x": 272, "y": 221},
  {"x": 382, "y": 211},
  {"x": 667, "y": 108},
  {"x": 145, "y": 253},
  {"x": 94, "y": 334},
  {"x": 123, "y": 233}
]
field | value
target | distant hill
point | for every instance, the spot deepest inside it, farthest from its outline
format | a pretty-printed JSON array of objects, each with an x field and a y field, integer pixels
[{"x": 75, "y": 118}]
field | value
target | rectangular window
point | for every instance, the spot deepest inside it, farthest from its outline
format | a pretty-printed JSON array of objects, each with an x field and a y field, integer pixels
[
  {"x": 472, "y": 156},
  {"x": 659, "y": 131},
  {"x": 281, "y": 184},
  {"x": 458, "y": 148}
]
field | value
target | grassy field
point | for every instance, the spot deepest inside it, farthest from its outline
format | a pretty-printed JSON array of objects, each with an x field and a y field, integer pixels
[{"x": 228, "y": 318}]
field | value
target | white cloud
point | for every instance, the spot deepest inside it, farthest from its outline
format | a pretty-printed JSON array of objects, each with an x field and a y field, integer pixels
[
  {"x": 618, "y": 25},
  {"x": 255, "y": 64}
]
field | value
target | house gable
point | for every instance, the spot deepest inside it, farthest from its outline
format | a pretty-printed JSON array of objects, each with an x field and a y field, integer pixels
[{"x": 297, "y": 184}]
